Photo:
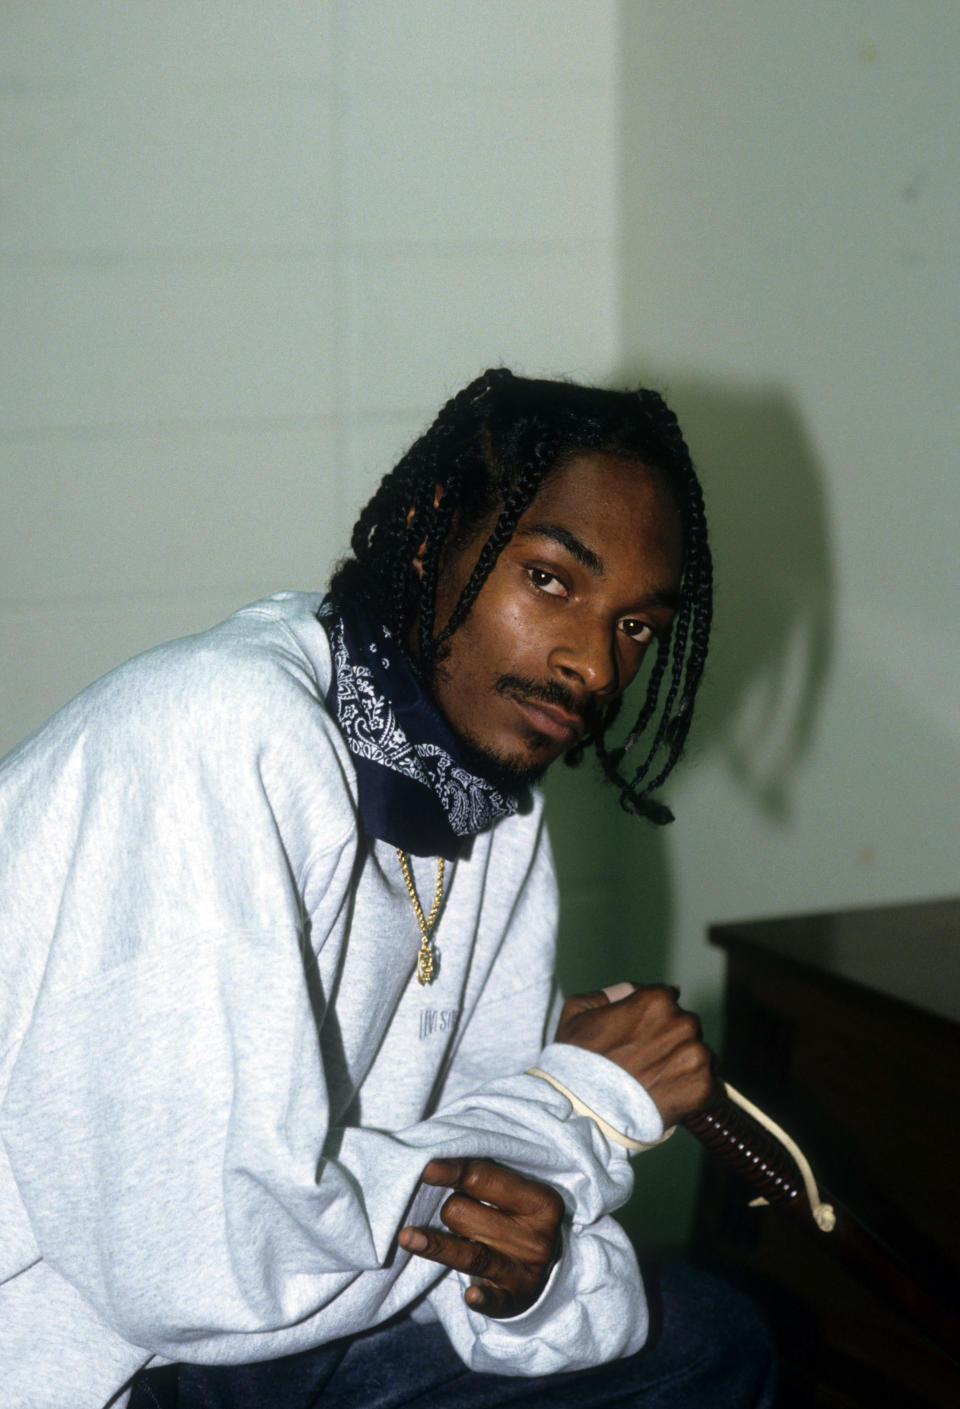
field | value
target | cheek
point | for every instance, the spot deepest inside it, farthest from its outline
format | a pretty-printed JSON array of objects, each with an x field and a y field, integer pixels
[
  {"x": 495, "y": 626},
  {"x": 510, "y": 641},
  {"x": 507, "y": 633}
]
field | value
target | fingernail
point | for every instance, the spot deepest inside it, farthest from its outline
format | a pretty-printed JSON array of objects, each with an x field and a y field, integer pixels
[{"x": 413, "y": 1240}]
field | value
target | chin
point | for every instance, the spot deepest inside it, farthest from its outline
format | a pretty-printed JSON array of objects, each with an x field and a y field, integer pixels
[{"x": 508, "y": 774}]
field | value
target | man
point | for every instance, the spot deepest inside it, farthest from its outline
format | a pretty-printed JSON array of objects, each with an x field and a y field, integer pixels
[{"x": 279, "y": 913}]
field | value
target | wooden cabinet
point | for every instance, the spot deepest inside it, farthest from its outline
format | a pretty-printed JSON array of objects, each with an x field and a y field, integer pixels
[{"x": 846, "y": 1028}]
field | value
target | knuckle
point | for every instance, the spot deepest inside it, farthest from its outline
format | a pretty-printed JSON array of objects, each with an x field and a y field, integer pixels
[
  {"x": 481, "y": 1259},
  {"x": 580, "y": 1003},
  {"x": 658, "y": 1003},
  {"x": 455, "y": 1212},
  {"x": 691, "y": 1058},
  {"x": 689, "y": 1025},
  {"x": 476, "y": 1176},
  {"x": 541, "y": 1249}
]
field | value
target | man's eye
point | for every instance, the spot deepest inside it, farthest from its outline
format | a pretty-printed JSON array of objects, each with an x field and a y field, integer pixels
[
  {"x": 637, "y": 630},
  {"x": 546, "y": 582}
]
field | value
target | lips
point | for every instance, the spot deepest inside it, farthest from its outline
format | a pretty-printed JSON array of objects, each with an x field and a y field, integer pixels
[{"x": 556, "y": 723}]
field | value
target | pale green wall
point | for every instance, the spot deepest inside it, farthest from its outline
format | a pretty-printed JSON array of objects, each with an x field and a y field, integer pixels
[
  {"x": 790, "y": 224},
  {"x": 246, "y": 250}
]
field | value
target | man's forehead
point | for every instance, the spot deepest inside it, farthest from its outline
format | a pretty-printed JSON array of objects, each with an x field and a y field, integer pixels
[{"x": 615, "y": 516}]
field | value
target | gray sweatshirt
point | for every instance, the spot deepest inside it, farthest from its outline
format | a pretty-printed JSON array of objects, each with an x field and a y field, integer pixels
[{"x": 219, "y": 1077}]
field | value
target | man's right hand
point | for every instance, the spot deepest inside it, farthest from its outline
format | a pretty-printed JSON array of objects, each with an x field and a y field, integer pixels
[{"x": 650, "y": 1036}]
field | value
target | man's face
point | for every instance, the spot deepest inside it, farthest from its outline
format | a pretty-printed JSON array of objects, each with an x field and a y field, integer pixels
[{"x": 589, "y": 580}]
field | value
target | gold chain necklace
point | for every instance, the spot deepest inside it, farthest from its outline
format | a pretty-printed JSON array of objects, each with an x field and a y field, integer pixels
[{"x": 427, "y": 956}]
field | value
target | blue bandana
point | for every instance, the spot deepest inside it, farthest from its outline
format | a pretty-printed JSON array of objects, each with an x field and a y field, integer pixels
[{"x": 414, "y": 789}]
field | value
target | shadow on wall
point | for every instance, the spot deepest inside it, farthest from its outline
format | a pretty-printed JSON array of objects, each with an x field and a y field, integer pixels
[
  {"x": 769, "y": 661},
  {"x": 772, "y": 643}
]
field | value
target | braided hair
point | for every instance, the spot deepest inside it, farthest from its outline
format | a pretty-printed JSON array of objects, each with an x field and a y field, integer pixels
[{"x": 490, "y": 449}]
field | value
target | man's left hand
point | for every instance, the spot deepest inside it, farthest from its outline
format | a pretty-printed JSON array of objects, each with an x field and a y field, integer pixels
[{"x": 504, "y": 1232}]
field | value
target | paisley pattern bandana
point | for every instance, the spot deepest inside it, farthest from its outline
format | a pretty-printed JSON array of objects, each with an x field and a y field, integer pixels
[{"x": 414, "y": 789}]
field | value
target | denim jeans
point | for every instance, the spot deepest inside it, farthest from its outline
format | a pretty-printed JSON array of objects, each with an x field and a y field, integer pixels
[{"x": 709, "y": 1348}]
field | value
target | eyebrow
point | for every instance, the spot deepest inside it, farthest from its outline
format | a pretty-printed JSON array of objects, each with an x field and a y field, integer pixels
[
  {"x": 664, "y": 597},
  {"x": 567, "y": 540}
]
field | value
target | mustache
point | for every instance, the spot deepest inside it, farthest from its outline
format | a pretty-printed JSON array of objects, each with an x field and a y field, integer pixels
[
  {"x": 550, "y": 693},
  {"x": 597, "y": 718}
]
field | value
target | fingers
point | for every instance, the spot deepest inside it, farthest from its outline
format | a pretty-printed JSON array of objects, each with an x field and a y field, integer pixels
[
  {"x": 503, "y": 1284},
  {"x": 582, "y": 1003},
  {"x": 487, "y": 1182},
  {"x": 647, "y": 1033},
  {"x": 504, "y": 1231},
  {"x": 491, "y": 1300},
  {"x": 655, "y": 999},
  {"x": 680, "y": 1072},
  {"x": 473, "y": 1259},
  {"x": 494, "y": 1205},
  {"x": 444, "y": 1173},
  {"x": 600, "y": 1021},
  {"x": 530, "y": 1241}
]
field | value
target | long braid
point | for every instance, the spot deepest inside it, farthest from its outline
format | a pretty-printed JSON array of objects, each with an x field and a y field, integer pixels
[
  {"x": 482, "y": 461},
  {"x": 517, "y": 499},
  {"x": 386, "y": 537},
  {"x": 691, "y": 628}
]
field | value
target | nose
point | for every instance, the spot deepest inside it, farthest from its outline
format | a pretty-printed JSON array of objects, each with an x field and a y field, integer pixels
[{"x": 588, "y": 655}]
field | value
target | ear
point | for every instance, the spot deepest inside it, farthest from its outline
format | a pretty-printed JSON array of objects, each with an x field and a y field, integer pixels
[{"x": 418, "y": 555}]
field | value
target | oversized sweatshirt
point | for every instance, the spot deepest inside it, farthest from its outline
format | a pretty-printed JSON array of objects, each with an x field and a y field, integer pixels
[{"x": 219, "y": 1077}]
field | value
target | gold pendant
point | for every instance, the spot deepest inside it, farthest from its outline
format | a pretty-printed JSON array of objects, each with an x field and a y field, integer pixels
[
  {"x": 425, "y": 964},
  {"x": 427, "y": 959}
]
